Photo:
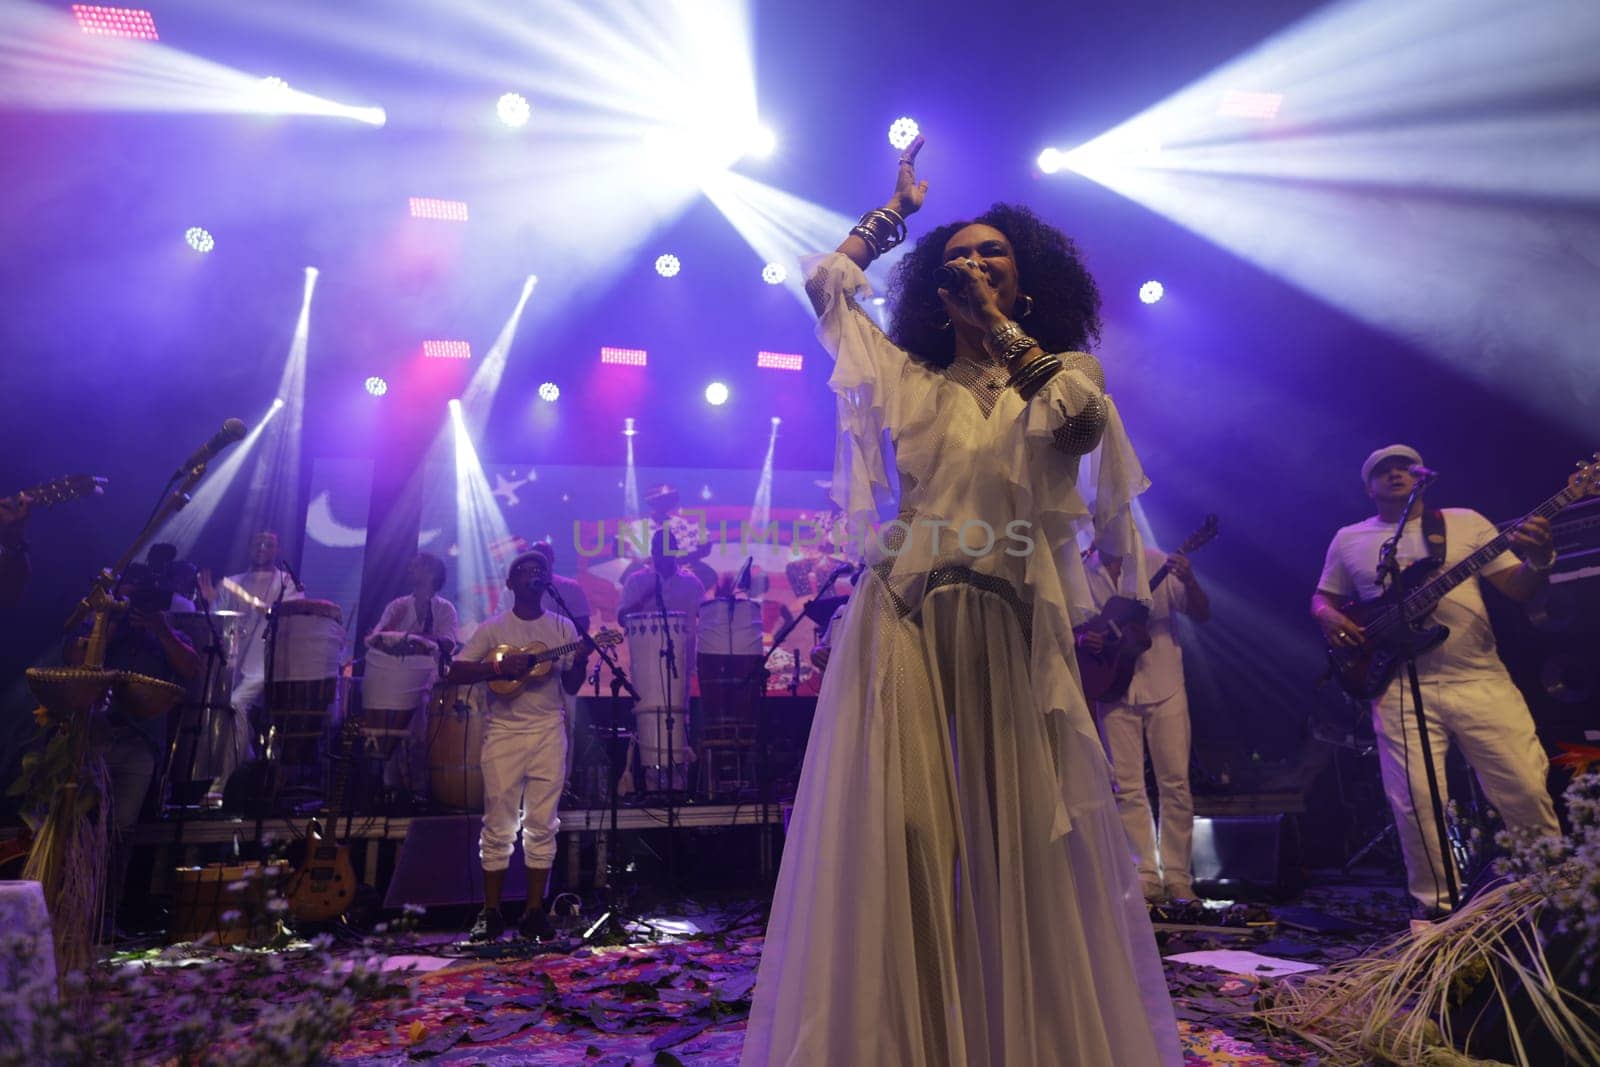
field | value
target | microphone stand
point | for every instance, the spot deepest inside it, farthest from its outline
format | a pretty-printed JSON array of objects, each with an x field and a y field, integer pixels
[
  {"x": 1389, "y": 576},
  {"x": 268, "y": 753},
  {"x": 216, "y": 663},
  {"x": 669, "y": 653},
  {"x": 619, "y": 682}
]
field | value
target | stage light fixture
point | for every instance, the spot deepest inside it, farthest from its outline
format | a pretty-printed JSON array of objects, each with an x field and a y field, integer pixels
[
  {"x": 377, "y": 386},
  {"x": 513, "y": 109},
  {"x": 199, "y": 239},
  {"x": 627, "y": 357},
  {"x": 779, "y": 360},
  {"x": 1151, "y": 291},
  {"x": 627, "y": 427},
  {"x": 667, "y": 265},
  {"x": 446, "y": 350},
  {"x": 127, "y": 22},
  {"x": 716, "y": 394},
  {"x": 273, "y": 87},
  {"x": 761, "y": 143},
  {"x": 1050, "y": 160},
  {"x": 427, "y": 207},
  {"x": 902, "y": 131},
  {"x": 774, "y": 274},
  {"x": 549, "y": 392}
]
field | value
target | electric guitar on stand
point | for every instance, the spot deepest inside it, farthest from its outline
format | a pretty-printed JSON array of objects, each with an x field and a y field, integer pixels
[
  {"x": 542, "y": 662},
  {"x": 1394, "y": 630},
  {"x": 323, "y": 884},
  {"x": 1124, "y": 631}
]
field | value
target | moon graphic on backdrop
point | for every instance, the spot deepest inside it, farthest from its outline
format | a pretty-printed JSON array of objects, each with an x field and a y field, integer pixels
[{"x": 329, "y": 531}]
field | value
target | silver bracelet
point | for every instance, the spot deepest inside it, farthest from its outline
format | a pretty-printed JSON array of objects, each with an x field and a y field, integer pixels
[{"x": 1002, "y": 337}]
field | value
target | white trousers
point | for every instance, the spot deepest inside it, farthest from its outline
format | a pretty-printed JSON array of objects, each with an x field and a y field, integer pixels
[
  {"x": 524, "y": 770},
  {"x": 1163, "y": 727},
  {"x": 1489, "y": 721}
]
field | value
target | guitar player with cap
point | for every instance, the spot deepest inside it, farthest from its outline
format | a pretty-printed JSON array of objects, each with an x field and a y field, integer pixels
[
  {"x": 1467, "y": 694},
  {"x": 524, "y": 743},
  {"x": 1153, "y": 711}
]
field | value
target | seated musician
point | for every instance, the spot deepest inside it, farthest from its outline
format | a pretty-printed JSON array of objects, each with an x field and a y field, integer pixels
[
  {"x": 422, "y": 613},
  {"x": 524, "y": 743}
]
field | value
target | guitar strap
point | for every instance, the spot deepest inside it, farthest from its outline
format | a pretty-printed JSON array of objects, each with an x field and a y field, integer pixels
[{"x": 1433, "y": 534}]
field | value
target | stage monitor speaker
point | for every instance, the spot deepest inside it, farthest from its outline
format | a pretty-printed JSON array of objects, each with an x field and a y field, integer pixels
[
  {"x": 438, "y": 865},
  {"x": 1248, "y": 856}
]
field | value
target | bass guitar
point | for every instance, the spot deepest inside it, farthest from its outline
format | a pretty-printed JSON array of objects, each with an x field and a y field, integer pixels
[
  {"x": 542, "y": 660},
  {"x": 323, "y": 884},
  {"x": 1396, "y": 628},
  {"x": 1123, "y": 626}
]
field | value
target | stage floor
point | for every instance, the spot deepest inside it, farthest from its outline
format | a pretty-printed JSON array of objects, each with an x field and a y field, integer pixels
[{"x": 683, "y": 999}]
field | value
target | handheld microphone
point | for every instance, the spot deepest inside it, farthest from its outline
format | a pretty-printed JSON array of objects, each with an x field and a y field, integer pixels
[
  {"x": 231, "y": 431},
  {"x": 951, "y": 279},
  {"x": 284, "y": 565},
  {"x": 1421, "y": 473}
]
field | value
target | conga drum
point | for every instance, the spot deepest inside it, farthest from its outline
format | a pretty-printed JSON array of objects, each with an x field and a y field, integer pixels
[
  {"x": 393, "y": 688},
  {"x": 647, "y": 639},
  {"x": 455, "y": 747},
  {"x": 305, "y": 676}
]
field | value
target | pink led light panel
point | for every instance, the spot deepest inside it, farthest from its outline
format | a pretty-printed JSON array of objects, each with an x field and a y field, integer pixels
[
  {"x": 426, "y": 207},
  {"x": 116, "y": 22},
  {"x": 779, "y": 360},
  {"x": 628, "y": 357},
  {"x": 447, "y": 350}
]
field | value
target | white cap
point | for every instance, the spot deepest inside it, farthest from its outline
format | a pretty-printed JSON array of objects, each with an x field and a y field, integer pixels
[{"x": 1387, "y": 451}]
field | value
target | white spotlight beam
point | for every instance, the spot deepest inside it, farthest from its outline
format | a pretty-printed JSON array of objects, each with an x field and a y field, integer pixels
[
  {"x": 184, "y": 528},
  {"x": 781, "y": 227},
  {"x": 479, "y": 396},
  {"x": 47, "y": 64},
  {"x": 482, "y": 536},
  {"x": 1431, "y": 172},
  {"x": 274, "y": 495}
]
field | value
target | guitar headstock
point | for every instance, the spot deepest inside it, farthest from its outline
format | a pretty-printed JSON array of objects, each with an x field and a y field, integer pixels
[
  {"x": 1201, "y": 537},
  {"x": 67, "y": 487},
  {"x": 1585, "y": 481}
]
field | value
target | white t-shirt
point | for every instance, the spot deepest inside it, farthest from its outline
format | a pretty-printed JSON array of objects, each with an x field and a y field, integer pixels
[
  {"x": 682, "y": 592},
  {"x": 1159, "y": 672},
  {"x": 540, "y": 697},
  {"x": 1351, "y": 570}
]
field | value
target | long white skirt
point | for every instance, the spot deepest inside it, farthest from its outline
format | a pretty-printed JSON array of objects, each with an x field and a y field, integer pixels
[{"x": 923, "y": 913}]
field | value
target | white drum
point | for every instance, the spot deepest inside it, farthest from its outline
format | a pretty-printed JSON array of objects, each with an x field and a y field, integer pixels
[
  {"x": 729, "y": 628},
  {"x": 397, "y": 683},
  {"x": 655, "y": 752},
  {"x": 310, "y": 637},
  {"x": 646, "y": 632}
]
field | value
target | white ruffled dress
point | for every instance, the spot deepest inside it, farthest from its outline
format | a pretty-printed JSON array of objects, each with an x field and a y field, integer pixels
[{"x": 956, "y": 887}]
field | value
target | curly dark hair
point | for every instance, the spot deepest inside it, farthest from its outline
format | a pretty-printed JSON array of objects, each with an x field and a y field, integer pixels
[{"x": 1066, "y": 302}]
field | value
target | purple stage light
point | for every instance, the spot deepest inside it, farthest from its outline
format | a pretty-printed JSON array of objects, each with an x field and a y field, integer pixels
[
  {"x": 549, "y": 392},
  {"x": 427, "y": 207},
  {"x": 1151, "y": 291},
  {"x": 128, "y": 22},
  {"x": 513, "y": 109},
  {"x": 667, "y": 265},
  {"x": 774, "y": 273},
  {"x": 376, "y": 386},
  {"x": 199, "y": 238},
  {"x": 626, "y": 357},
  {"x": 716, "y": 394},
  {"x": 446, "y": 350},
  {"x": 779, "y": 360}
]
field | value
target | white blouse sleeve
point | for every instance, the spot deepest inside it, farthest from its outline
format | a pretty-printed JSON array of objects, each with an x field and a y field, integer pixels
[{"x": 870, "y": 377}]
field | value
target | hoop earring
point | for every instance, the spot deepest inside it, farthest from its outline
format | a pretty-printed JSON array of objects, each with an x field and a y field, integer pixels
[
  {"x": 1027, "y": 306},
  {"x": 945, "y": 325}
]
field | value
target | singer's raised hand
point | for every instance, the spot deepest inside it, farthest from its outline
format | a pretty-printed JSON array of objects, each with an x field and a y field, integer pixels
[{"x": 908, "y": 191}]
